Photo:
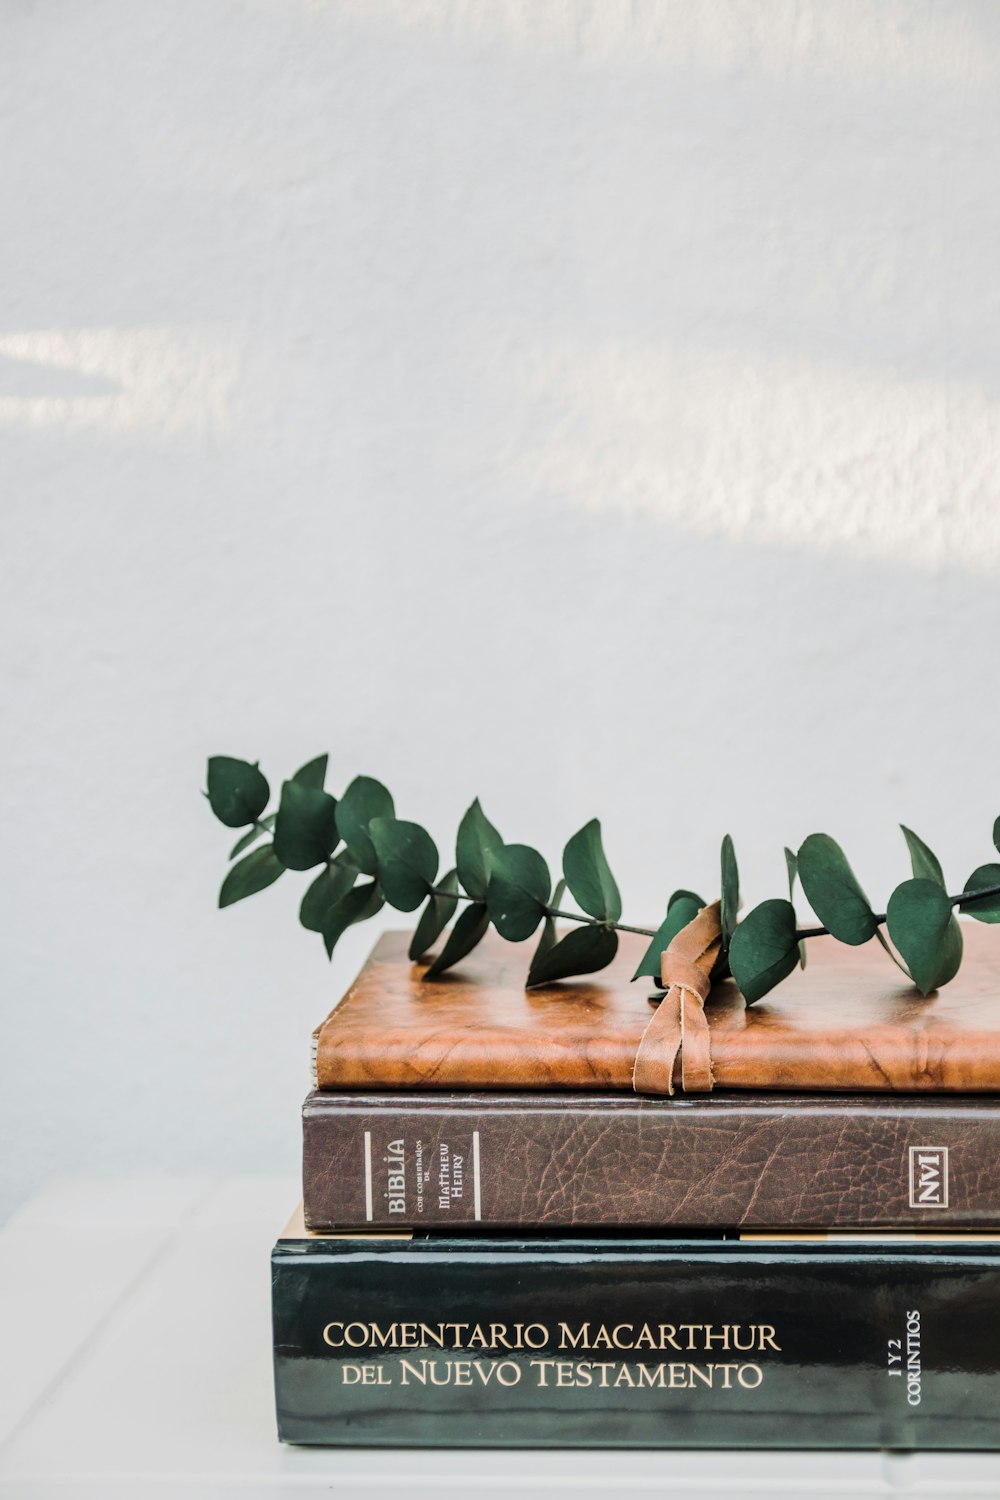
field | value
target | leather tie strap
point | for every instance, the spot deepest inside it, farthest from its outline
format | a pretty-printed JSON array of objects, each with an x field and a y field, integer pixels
[{"x": 677, "y": 1039}]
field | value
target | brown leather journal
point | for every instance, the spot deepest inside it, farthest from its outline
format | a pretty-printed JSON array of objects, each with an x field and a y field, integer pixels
[{"x": 849, "y": 1021}]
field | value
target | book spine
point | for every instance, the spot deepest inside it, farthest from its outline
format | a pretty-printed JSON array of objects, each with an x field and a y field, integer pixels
[
  {"x": 592, "y": 1161},
  {"x": 562, "y": 1342}
]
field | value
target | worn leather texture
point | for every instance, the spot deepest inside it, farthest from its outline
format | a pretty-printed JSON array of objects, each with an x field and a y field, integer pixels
[
  {"x": 850, "y": 1021},
  {"x": 591, "y": 1160}
]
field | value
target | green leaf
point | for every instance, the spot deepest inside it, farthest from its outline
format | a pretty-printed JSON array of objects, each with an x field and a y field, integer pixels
[
  {"x": 313, "y": 773},
  {"x": 925, "y": 864},
  {"x": 996, "y": 834},
  {"x": 923, "y": 927},
  {"x": 792, "y": 866},
  {"x": 330, "y": 886},
  {"x": 305, "y": 831},
  {"x": 518, "y": 890},
  {"x": 476, "y": 837},
  {"x": 364, "y": 799},
  {"x": 407, "y": 861},
  {"x": 833, "y": 892},
  {"x": 472, "y": 926},
  {"x": 764, "y": 950},
  {"x": 589, "y": 876},
  {"x": 435, "y": 916},
  {"x": 730, "y": 889},
  {"x": 237, "y": 790},
  {"x": 357, "y": 906},
  {"x": 263, "y": 825},
  {"x": 584, "y": 950},
  {"x": 252, "y": 874},
  {"x": 987, "y": 909},
  {"x": 682, "y": 908}
]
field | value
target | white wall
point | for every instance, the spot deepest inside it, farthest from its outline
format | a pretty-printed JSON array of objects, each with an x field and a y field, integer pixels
[{"x": 590, "y": 406}]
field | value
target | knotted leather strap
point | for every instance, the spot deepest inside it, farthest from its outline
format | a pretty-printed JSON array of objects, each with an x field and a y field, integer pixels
[{"x": 677, "y": 1038}]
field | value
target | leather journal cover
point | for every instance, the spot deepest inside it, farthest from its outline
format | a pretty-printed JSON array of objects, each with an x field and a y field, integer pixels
[{"x": 849, "y": 1022}]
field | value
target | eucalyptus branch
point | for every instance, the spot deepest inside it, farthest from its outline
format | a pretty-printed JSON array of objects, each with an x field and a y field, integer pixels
[
  {"x": 364, "y": 857},
  {"x": 964, "y": 898}
]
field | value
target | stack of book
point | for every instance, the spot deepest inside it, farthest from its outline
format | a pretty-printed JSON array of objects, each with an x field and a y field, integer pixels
[{"x": 504, "y": 1244}]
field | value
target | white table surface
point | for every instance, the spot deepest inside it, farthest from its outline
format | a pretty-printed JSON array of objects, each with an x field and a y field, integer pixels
[{"x": 135, "y": 1360}]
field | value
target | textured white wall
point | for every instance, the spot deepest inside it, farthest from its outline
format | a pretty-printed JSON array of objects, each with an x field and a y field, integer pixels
[{"x": 593, "y": 406}]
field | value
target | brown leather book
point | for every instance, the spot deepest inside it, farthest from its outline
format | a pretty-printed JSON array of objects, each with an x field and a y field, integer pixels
[
  {"x": 849, "y": 1022},
  {"x": 443, "y": 1161}
]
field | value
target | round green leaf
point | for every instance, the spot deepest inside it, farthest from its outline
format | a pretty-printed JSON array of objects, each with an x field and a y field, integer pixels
[
  {"x": 364, "y": 799},
  {"x": 330, "y": 886},
  {"x": 583, "y": 950},
  {"x": 923, "y": 861},
  {"x": 988, "y": 908},
  {"x": 476, "y": 837},
  {"x": 518, "y": 890},
  {"x": 357, "y": 906},
  {"x": 764, "y": 950},
  {"x": 996, "y": 834},
  {"x": 589, "y": 876},
  {"x": 237, "y": 790},
  {"x": 833, "y": 892},
  {"x": 305, "y": 830},
  {"x": 730, "y": 889},
  {"x": 407, "y": 861},
  {"x": 472, "y": 925},
  {"x": 923, "y": 927},
  {"x": 682, "y": 908},
  {"x": 435, "y": 916},
  {"x": 250, "y": 875}
]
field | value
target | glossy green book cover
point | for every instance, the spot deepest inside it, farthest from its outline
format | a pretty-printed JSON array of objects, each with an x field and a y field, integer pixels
[{"x": 637, "y": 1341}]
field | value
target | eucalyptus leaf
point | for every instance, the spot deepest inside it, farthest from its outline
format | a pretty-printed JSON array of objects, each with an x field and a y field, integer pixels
[
  {"x": 476, "y": 837},
  {"x": 833, "y": 891},
  {"x": 262, "y": 826},
  {"x": 330, "y": 886},
  {"x": 237, "y": 790},
  {"x": 472, "y": 926},
  {"x": 313, "y": 773},
  {"x": 923, "y": 927},
  {"x": 518, "y": 890},
  {"x": 924, "y": 862},
  {"x": 252, "y": 874},
  {"x": 583, "y": 950},
  {"x": 407, "y": 861},
  {"x": 588, "y": 874},
  {"x": 988, "y": 908},
  {"x": 305, "y": 830},
  {"x": 730, "y": 889},
  {"x": 356, "y": 906},
  {"x": 364, "y": 799},
  {"x": 682, "y": 908},
  {"x": 764, "y": 950},
  {"x": 435, "y": 916}
]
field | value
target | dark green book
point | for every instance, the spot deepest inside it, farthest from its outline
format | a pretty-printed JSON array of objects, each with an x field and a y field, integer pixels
[{"x": 637, "y": 1341}]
